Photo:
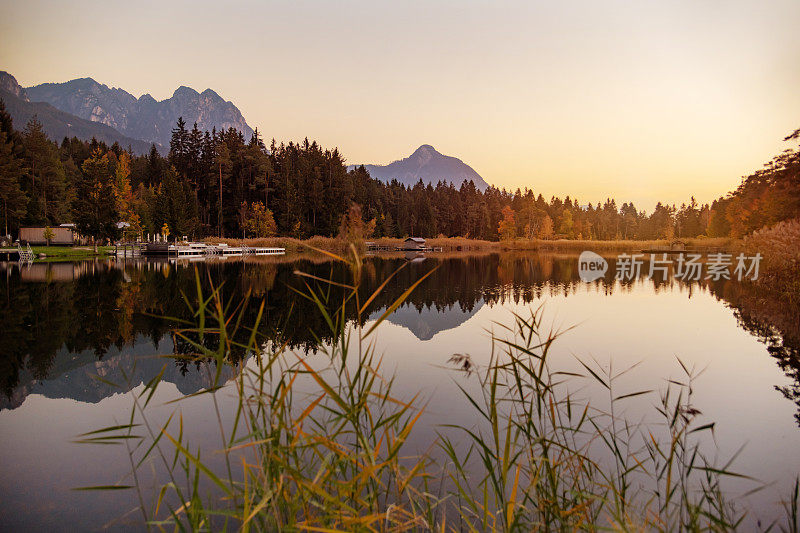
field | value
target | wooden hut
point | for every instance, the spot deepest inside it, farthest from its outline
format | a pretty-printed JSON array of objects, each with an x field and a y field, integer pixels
[
  {"x": 62, "y": 235},
  {"x": 414, "y": 243}
]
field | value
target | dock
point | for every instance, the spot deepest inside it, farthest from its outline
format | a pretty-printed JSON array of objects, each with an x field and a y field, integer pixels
[
  {"x": 196, "y": 249},
  {"x": 17, "y": 254},
  {"x": 9, "y": 254}
]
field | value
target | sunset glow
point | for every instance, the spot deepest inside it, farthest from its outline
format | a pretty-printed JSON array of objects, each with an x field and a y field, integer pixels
[{"x": 639, "y": 101}]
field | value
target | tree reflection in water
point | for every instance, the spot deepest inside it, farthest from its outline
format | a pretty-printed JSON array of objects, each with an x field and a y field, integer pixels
[{"x": 56, "y": 318}]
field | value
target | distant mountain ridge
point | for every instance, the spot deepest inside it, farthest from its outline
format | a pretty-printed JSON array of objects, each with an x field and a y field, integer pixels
[
  {"x": 428, "y": 165},
  {"x": 144, "y": 118},
  {"x": 56, "y": 123}
]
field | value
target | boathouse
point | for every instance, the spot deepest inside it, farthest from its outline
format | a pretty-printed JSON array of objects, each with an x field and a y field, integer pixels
[
  {"x": 64, "y": 235},
  {"x": 414, "y": 243}
]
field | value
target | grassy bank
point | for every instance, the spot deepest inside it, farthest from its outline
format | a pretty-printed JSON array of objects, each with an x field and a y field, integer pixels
[
  {"x": 318, "y": 442},
  {"x": 70, "y": 252}
]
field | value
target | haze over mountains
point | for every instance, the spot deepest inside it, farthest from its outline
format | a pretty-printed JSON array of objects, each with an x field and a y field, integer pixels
[
  {"x": 428, "y": 165},
  {"x": 85, "y": 108}
]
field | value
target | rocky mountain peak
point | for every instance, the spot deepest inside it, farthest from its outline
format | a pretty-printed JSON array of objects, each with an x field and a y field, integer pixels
[
  {"x": 424, "y": 154},
  {"x": 144, "y": 118},
  {"x": 9, "y": 83},
  {"x": 211, "y": 95},
  {"x": 428, "y": 165},
  {"x": 185, "y": 92}
]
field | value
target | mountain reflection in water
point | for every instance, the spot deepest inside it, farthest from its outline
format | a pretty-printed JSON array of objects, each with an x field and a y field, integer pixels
[{"x": 63, "y": 323}]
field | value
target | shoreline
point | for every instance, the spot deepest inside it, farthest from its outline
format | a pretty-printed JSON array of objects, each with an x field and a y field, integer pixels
[
  {"x": 462, "y": 244},
  {"x": 449, "y": 245}
]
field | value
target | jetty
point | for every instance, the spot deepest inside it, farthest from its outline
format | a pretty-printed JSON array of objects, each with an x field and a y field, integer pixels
[
  {"x": 18, "y": 254},
  {"x": 199, "y": 249}
]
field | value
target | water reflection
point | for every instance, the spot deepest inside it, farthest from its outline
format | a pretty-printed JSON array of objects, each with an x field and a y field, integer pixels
[{"x": 61, "y": 323}]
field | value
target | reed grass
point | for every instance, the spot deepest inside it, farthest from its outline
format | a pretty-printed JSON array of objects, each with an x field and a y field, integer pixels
[
  {"x": 779, "y": 246},
  {"x": 320, "y": 443}
]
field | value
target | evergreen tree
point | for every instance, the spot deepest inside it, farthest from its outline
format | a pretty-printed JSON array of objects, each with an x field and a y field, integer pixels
[
  {"x": 14, "y": 200},
  {"x": 46, "y": 183}
]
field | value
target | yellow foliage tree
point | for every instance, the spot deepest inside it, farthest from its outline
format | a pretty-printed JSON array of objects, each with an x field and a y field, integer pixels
[
  {"x": 258, "y": 220},
  {"x": 124, "y": 197},
  {"x": 546, "y": 228},
  {"x": 507, "y": 227},
  {"x": 353, "y": 229}
]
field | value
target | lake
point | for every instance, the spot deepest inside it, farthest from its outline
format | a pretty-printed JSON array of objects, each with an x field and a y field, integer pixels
[{"x": 63, "y": 325}]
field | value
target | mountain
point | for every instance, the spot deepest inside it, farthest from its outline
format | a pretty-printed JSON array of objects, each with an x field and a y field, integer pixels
[
  {"x": 143, "y": 118},
  {"x": 73, "y": 375},
  {"x": 56, "y": 123},
  {"x": 428, "y": 165},
  {"x": 428, "y": 321}
]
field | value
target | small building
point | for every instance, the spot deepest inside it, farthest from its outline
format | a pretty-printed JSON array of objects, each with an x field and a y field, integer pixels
[
  {"x": 414, "y": 243},
  {"x": 64, "y": 235}
]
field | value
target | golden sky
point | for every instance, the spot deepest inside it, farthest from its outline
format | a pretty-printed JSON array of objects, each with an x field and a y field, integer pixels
[{"x": 639, "y": 100}]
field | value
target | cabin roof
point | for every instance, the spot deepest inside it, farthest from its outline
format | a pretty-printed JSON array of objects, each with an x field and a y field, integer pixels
[{"x": 415, "y": 239}]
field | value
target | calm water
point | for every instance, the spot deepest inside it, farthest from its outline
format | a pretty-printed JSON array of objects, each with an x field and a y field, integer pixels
[{"x": 63, "y": 324}]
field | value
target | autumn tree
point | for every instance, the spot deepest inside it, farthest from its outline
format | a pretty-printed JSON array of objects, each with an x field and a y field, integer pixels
[
  {"x": 124, "y": 197},
  {"x": 507, "y": 228},
  {"x": 94, "y": 209},
  {"x": 48, "y": 235},
  {"x": 566, "y": 226},
  {"x": 545, "y": 228},
  {"x": 258, "y": 221},
  {"x": 353, "y": 229}
]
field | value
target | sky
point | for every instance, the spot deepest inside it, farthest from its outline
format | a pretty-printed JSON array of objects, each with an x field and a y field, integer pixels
[{"x": 641, "y": 101}]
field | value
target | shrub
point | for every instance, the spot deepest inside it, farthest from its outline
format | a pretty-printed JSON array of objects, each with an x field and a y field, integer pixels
[{"x": 779, "y": 246}]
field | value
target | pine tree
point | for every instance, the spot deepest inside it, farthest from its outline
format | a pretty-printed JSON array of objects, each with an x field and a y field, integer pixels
[
  {"x": 154, "y": 167},
  {"x": 46, "y": 185},
  {"x": 171, "y": 207},
  {"x": 14, "y": 200},
  {"x": 13, "y": 197},
  {"x": 222, "y": 164}
]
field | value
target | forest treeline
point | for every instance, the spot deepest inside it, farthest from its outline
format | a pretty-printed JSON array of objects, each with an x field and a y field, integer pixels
[{"x": 218, "y": 183}]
